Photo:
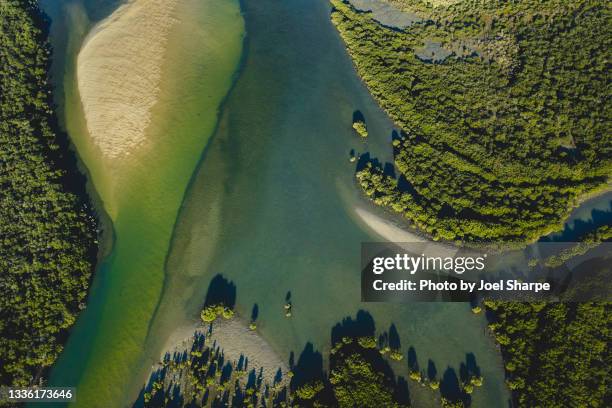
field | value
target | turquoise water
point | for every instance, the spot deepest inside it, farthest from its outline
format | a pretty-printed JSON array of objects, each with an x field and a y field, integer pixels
[{"x": 142, "y": 192}]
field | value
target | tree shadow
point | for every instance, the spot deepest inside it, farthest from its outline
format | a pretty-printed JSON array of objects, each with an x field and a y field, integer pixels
[
  {"x": 239, "y": 399},
  {"x": 394, "y": 338},
  {"x": 358, "y": 116},
  {"x": 405, "y": 186},
  {"x": 278, "y": 377},
  {"x": 291, "y": 360},
  {"x": 450, "y": 388},
  {"x": 365, "y": 159},
  {"x": 221, "y": 291},
  {"x": 401, "y": 393},
  {"x": 226, "y": 372},
  {"x": 251, "y": 379},
  {"x": 254, "y": 312},
  {"x": 280, "y": 397},
  {"x": 383, "y": 340},
  {"x": 389, "y": 170},
  {"x": 395, "y": 135},
  {"x": 431, "y": 370},
  {"x": 413, "y": 362},
  {"x": 309, "y": 367},
  {"x": 578, "y": 228},
  {"x": 472, "y": 368},
  {"x": 361, "y": 326}
]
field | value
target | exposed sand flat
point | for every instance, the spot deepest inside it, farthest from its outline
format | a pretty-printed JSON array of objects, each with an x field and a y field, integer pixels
[
  {"x": 386, "y": 229},
  {"x": 235, "y": 339},
  {"x": 119, "y": 73},
  {"x": 409, "y": 241}
]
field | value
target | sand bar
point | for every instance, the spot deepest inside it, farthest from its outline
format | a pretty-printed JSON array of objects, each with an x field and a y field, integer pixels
[
  {"x": 119, "y": 73},
  {"x": 235, "y": 339},
  {"x": 407, "y": 240}
]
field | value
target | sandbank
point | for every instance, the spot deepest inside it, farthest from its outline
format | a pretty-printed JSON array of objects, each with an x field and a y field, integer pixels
[{"x": 119, "y": 70}]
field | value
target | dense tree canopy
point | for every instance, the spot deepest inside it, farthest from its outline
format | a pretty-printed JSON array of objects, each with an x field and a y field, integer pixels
[
  {"x": 556, "y": 354},
  {"x": 504, "y": 110},
  {"x": 356, "y": 383},
  {"x": 47, "y": 232}
]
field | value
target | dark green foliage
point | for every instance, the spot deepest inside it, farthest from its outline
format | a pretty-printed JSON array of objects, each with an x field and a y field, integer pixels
[
  {"x": 360, "y": 377},
  {"x": 556, "y": 354},
  {"x": 357, "y": 384},
  {"x": 501, "y": 138},
  {"x": 47, "y": 234}
]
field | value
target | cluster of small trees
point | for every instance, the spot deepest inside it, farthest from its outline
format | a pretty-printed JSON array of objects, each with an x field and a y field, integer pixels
[
  {"x": 360, "y": 128},
  {"x": 202, "y": 376},
  {"x": 210, "y": 313},
  {"x": 47, "y": 231},
  {"x": 587, "y": 242},
  {"x": 356, "y": 378},
  {"x": 487, "y": 155}
]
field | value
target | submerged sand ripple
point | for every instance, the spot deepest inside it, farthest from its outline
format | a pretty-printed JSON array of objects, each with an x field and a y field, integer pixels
[{"x": 119, "y": 73}]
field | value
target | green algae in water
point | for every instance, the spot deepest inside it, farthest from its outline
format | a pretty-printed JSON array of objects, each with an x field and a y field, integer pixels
[{"x": 144, "y": 194}]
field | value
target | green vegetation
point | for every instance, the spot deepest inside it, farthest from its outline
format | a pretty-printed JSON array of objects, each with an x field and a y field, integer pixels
[
  {"x": 210, "y": 313},
  {"x": 203, "y": 376},
  {"x": 360, "y": 128},
  {"x": 499, "y": 140},
  {"x": 309, "y": 390},
  {"x": 556, "y": 354},
  {"x": 358, "y": 376},
  {"x": 367, "y": 342},
  {"x": 415, "y": 375},
  {"x": 396, "y": 355},
  {"x": 587, "y": 242},
  {"x": 356, "y": 383},
  {"x": 47, "y": 232},
  {"x": 502, "y": 135}
]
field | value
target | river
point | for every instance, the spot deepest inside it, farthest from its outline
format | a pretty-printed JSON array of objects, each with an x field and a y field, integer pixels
[{"x": 271, "y": 206}]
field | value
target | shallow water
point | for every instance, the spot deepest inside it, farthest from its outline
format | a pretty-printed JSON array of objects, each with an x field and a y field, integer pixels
[
  {"x": 387, "y": 14},
  {"x": 590, "y": 215},
  {"x": 271, "y": 207},
  {"x": 143, "y": 193}
]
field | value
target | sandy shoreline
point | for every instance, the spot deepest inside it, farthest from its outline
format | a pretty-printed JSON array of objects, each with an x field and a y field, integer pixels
[
  {"x": 394, "y": 234},
  {"x": 119, "y": 71},
  {"x": 234, "y": 337}
]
